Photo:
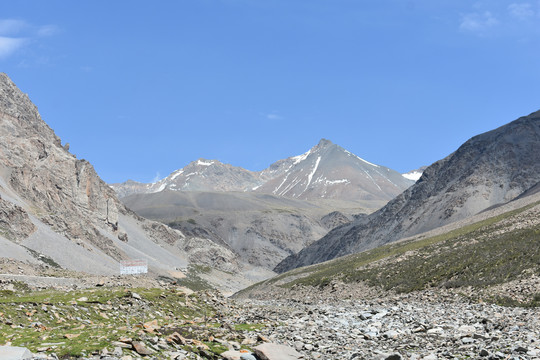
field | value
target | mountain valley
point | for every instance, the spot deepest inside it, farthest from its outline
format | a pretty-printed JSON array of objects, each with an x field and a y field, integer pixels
[
  {"x": 266, "y": 216},
  {"x": 440, "y": 263}
]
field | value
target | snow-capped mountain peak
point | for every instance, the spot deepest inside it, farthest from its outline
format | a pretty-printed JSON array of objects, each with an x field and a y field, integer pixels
[
  {"x": 325, "y": 171},
  {"x": 329, "y": 171}
]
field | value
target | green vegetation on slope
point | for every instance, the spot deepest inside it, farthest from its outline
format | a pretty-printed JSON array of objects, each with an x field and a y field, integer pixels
[
  {"x": 84, "y": 322},
  {"x": 485, "y": 253}
]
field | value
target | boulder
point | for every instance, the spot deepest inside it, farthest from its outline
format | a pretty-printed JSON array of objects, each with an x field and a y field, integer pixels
[
  {"x": 271, "y": 351},
  {"x": 15, "y": 353}
]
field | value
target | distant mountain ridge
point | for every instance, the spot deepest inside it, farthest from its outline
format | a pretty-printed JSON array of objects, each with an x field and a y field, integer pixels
[
  {"x": 266, "y": 216},
  {"x": 199, "y": 175},
  {"x": 325, "y": 171},
  {"x": 489, "y": 169},
  {"x": 329, "y": 171}
]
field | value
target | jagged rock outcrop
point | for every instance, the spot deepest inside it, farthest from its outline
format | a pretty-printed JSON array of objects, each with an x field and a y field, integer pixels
[
  {"x": 335, "y": 219},
  {"x": 67, "y": 193},
  {"x": 15, "y": 224},
  {"x": 56, "y": 205},
  {"x": 489, "y": 169}
]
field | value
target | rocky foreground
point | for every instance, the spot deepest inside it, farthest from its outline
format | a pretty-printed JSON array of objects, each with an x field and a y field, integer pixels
[{"x": 173, "y": 323}]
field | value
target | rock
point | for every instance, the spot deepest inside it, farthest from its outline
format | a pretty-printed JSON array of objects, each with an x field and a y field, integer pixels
[
  {"x": 484, "y": 353},
  {"x": 15, "y": 353},
  {"x": 262, "y": 338},
  {"x": 436, "y": 331},
  {"x": 231, "y": 355},
  {"x": 248, "y": 357},
  {"x": 14, "y": 221},
  {"x": 141, "y": 348},
  {"x": 391, "y": 334},
  {"x": 466, "y": 329},
  {"x": 136, "y": 296},
  {"x": 366, "y": 315},
  {"x": 272, "y": 351},
  {"x": 177, "y": 338},
  {"x": 122, "y": 236},
  {"x": 120, "y": 344}
]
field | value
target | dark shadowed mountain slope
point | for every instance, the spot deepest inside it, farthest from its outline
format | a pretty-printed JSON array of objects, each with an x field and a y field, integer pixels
[{"x": 489, "y": 169}]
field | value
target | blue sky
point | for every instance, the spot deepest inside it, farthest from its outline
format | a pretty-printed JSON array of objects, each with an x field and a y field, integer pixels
[{"x": 141, "y": 88}]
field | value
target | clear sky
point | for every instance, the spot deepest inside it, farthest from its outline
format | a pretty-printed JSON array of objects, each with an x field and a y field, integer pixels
[{"x": 141, "y": 88}]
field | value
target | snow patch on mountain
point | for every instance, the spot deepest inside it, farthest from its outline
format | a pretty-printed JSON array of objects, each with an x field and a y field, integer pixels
[
  {"x": 415, "y": 175},
  {"x": 359, "y": 158},
  {"x": 298, "y": 159},
  {"x": 310, "y": 176},
  {"x": 176, "y": 174},
  {"x": 204, "y": 163}
]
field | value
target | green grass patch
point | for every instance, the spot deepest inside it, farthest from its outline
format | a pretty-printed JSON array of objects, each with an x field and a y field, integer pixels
[
  {"x": 77, "y": 323},
  {"x": 248, "y": 327},
  {"x": 474, "y": 255}
]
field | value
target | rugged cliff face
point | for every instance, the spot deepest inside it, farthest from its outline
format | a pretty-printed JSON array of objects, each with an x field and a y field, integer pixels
[
  {"x": 56, "y": 205},
  {"x": 66, "y": 193},
  {"x": 489, "y": 169}
]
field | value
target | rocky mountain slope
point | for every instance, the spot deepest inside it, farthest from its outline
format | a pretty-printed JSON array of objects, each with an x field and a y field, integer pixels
[
  {"x": 262, "y": 229},
  {"x": 55, "y": 210},
  {"x": 493, "y": 256},
  {"x": 325, "y": 171},
  {"x": 489, "y": 169},
  {"x": 266, "y": 216},
  {"x": 329, "y": 171}
]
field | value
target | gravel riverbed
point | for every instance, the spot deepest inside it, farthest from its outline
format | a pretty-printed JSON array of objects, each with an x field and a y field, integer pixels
[{"x": 420, "y": 326}]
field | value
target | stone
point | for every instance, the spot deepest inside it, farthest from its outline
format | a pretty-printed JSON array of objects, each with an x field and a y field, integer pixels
[
  {"x": 15, "y": 353},
  {"x": 272, "y": 351},
  {"x": 247, "y": 357},
  {"x": 231, "y": 355},
  {"x": 120, "y": 344},
  {"x": 466, "y": 329},
  {"x": 141, "y": 348},
  {"x": 391, "y": 334},
  {"x": 484, "y": 353},
  {"x": 177, "y": 338}
]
